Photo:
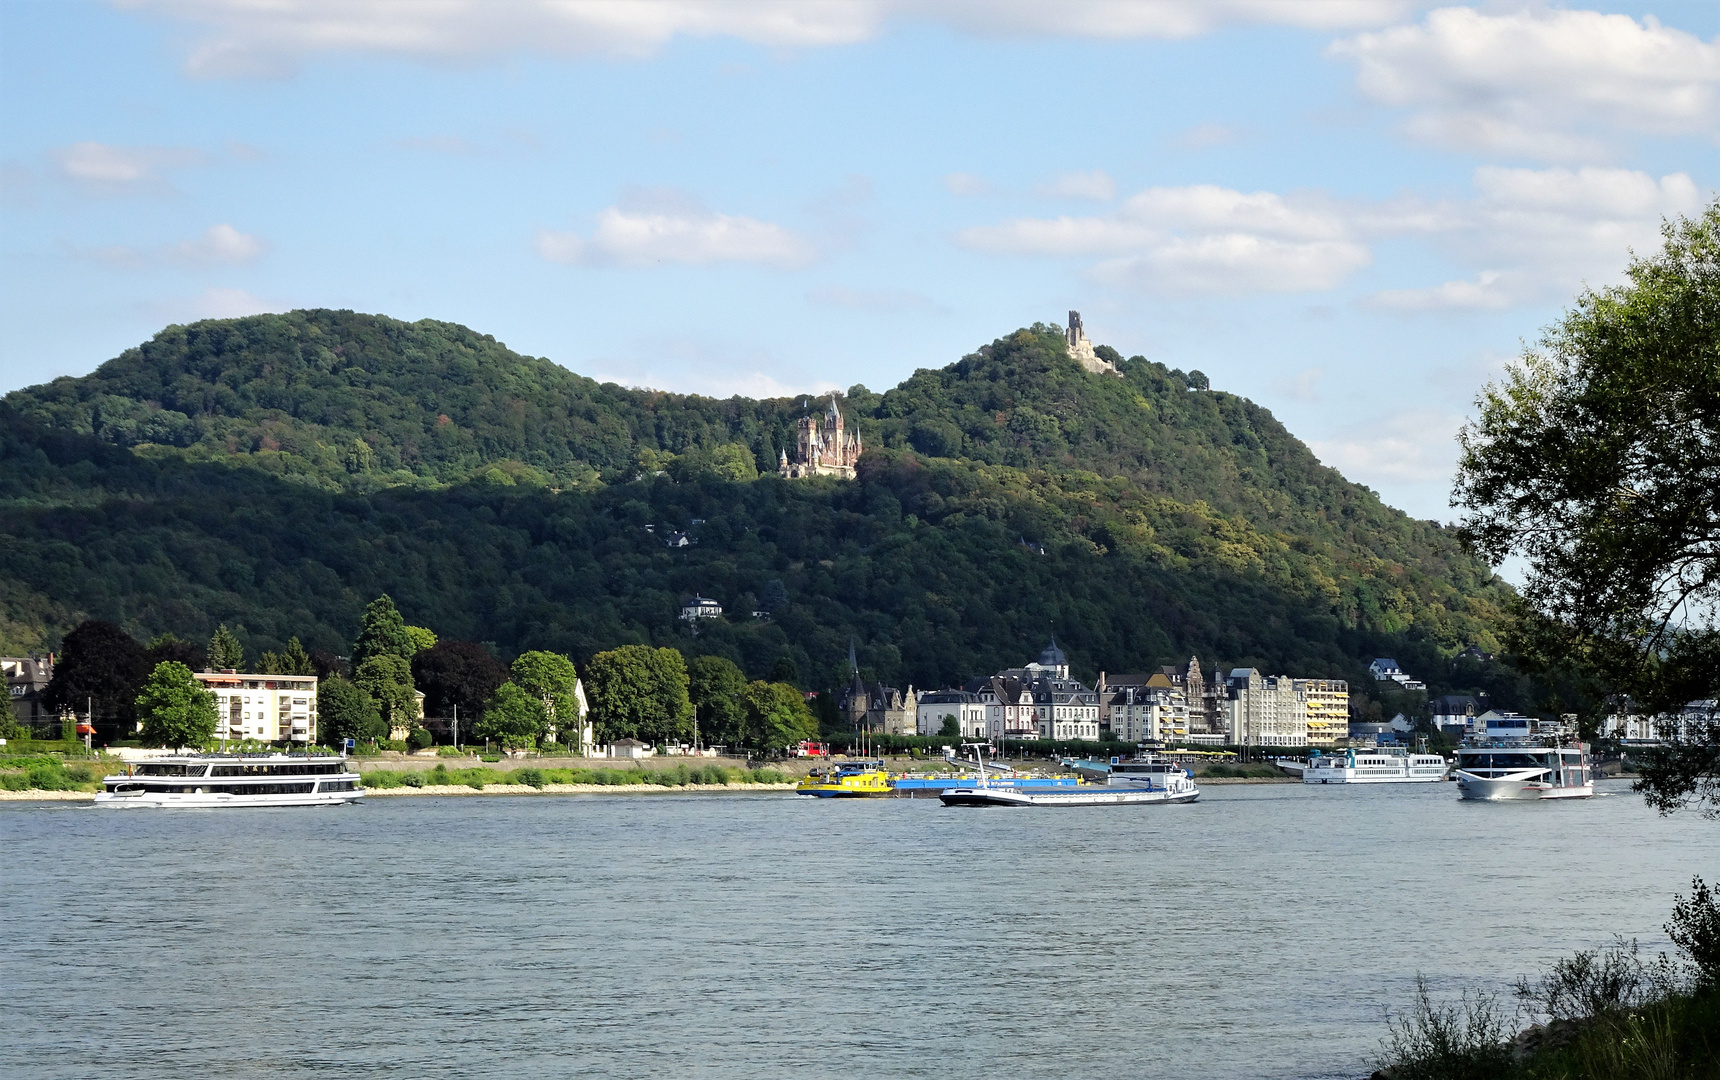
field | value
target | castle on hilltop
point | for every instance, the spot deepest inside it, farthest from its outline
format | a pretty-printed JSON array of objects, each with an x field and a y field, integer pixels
[
  {"x": 1081, "y": 350},
  {"x": 822, "y": 447}
]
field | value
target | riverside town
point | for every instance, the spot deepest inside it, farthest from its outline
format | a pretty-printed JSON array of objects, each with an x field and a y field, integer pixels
[{"x": 1134, "y": 539}]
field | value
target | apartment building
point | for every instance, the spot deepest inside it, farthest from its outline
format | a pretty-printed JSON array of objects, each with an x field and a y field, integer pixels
[{"x": 264, "y": 708}]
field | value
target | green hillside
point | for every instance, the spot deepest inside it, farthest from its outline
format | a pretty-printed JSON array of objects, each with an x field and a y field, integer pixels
[{"x": 278, "y": 471}]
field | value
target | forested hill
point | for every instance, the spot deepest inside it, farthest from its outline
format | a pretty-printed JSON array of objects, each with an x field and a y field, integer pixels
[{"x": 278, "y": 471}]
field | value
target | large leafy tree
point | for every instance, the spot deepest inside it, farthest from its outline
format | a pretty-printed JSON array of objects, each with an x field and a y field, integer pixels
[
  {"x": 777, "y": 716},
  {"x": 346, "y": 712},
  {"x": 175, "y": 708},
  {"x": 382, "y": 632},
  {"x": 513, "y": 717},
  {"x": 639, "y": 692},
  {"x": 388, "y": 681},
  {"x": 168, "y": 647},
  {"x": 460, "y": 674},
  {"x": 715, "y": 685},
  {"x": 552, "y": 679},
  {"x": 100, "y": 668},
  {"x": 1596, "y": 459}
]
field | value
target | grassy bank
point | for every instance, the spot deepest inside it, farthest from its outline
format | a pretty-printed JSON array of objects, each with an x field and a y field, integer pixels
[
  {"x": 42, "y": 772},
  {"x": 1602, "y": 1014},
  {"x": 478, "y": 778}
]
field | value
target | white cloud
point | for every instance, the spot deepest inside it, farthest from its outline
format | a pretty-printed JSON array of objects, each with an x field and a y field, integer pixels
[
  {"x": 1542, "y": 82},
  {"x": 1195, "y": 239},
  {"x": 219, "y": 245},
  {"x": 966, "y": 184},
  {"x": 709, "y": 368},
  {"x": 1538, "y": 232},
  {"x": 1485, "y": 291},
  {"x": 1414, "y": 447},
  {"x": 666, "y": 227},
  {"x": 1304, "y": 385},
  {"x": 270, "y": 37},
  {"x": 1080, "y": 185},
  {"x": 102, "y": 168},
  {"x": 1202, "y": 136}
]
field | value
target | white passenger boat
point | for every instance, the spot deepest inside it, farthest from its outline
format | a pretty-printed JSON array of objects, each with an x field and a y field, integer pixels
[
  {"x": 209, "y": 780},
  {"x": 1128, "y": 783},
  {"x": 1388, "y": 765},
  {"x": 1524, "y": 769}
]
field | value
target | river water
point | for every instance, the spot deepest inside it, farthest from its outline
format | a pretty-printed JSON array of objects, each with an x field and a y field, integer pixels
[{"x": 1259, "y": 933}]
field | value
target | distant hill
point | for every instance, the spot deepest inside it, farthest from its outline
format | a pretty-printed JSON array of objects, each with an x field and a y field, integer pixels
[{"x": 278, "y": 471}]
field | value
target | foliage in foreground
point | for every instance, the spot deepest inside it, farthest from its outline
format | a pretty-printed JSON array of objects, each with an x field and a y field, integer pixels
[{"x": 1601, "y": 1014}]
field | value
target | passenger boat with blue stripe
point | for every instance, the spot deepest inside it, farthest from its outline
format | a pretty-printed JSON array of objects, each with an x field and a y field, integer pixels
[{"x": 1125, "y": 783}]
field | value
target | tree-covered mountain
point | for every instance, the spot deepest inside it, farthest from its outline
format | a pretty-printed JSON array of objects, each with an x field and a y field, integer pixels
[{"x": 279, "y": 471}]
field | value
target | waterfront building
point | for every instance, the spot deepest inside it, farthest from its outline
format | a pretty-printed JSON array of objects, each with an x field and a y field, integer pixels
[
  {"x": 1264, "y": 711},
  {"x": 1326, "y": 703},
  {"x": 1039, "y": 701},
  {"x": 965, "y": 706},
  {"x": 264, "y": 708},
  {"x": 879, "y": 708},
  {"x": 1145, "y": 708},
  {"x": 27, "y": 678}
]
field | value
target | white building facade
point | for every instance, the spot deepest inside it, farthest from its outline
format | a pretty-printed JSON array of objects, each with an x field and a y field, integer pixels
[
  {"x": 263, "y": 708},
  {"x": 968, "y": 709}
]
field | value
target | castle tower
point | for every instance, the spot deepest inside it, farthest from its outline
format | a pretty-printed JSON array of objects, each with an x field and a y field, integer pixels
[
  {"x": 823, "y": 447},
  {"x": 1081, "y": 350}
]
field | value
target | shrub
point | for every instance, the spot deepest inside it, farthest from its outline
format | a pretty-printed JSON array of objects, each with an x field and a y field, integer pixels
[
  {"x": 420, "y": 739},
  {"x": 1598, "y": 982},
  {"x": 380, "y": 779},
  {"x": 767, "y": 776},
  {"x": 412, "y": 779},
  {"x": 1463, "y": 1040},
  {"x": 451, "y": 751},
  {"x": 529, "y": 777},
  {"x": 397, "y": 745},
  {"x": 1695, "y": 930}
]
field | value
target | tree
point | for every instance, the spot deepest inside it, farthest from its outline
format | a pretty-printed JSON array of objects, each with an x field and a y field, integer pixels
[
  {"x": 421, "y": 639},
  {"x": 457, "y": 674},
  {"x": 168, "y": 647},
  {"x": 101, "y": 668},
  {"x": 388, "y": 681},
  {"x": 951, "y": 727},
  {"x": 1596, "y": 458},
  {"x": 295, "y": 660},
  {"x": 639, "y": 692},
  {"x": 175, "y": 708},
  {"x": 382, "y": 632},
  {"x": 346, "y": 712},
  {"x": 551, "y": 678},
  {"x": 514, "y": 718},
  {"x": 224, "y": 650},
  {"x": 715, "y": 685},
  {"x": 777, "y": 716}
]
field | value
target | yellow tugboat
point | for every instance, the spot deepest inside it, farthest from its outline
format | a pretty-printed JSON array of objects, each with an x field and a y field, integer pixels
[{"x": 847, "y": 780}]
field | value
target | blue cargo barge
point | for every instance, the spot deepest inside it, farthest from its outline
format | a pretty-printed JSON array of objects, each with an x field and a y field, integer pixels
[{"x": 932, "y": 785}]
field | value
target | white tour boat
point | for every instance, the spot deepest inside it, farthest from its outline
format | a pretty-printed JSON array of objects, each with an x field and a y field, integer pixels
[
  {"x": 1128, "y": 783},
  {"x": 1389, "y": 765},
  {"x": 1524, "y": 769},
  {"x": 202, "y": 780}
]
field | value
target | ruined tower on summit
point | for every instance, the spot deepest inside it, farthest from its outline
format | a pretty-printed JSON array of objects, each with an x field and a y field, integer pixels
[
  {"x": 1081, "y": 350},
  {"x": 822, "y": 448}
]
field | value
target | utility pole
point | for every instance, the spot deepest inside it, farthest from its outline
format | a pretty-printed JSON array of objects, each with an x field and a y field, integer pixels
[{"x": 456, "y": 727}]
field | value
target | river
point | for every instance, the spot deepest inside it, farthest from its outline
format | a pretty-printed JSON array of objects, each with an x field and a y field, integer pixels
[{"x": 1259, "y": 933}]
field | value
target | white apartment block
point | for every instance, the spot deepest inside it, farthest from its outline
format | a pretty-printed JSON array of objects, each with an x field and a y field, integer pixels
[
  {"x": 264, "y": 708},
  {"x": 1264, "y": 711},
  {"x": 1152, "y": 712}
]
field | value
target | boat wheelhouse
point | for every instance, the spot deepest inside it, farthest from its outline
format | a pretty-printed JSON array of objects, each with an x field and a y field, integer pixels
[
  {"x": 208, "y": 780},
  {"x": 1386, "y": 765},
  {"x": 1524, "y": 769}
]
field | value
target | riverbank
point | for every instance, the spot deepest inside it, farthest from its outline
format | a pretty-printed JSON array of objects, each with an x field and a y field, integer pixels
[{"x": 459, "y": 789}]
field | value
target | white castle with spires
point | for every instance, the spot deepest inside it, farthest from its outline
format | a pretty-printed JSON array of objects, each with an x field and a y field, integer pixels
[{"x": 822, "y": 447}]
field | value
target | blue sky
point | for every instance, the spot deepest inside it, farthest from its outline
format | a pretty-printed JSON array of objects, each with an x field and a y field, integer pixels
[{"x": 1352, "y": 212}]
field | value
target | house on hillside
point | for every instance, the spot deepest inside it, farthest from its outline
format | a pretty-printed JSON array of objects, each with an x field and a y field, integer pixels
[
  {"x": 694, "y": 608},
  {"x": 1385, "y": 669},
  {"x": 27, "y": 677}
]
